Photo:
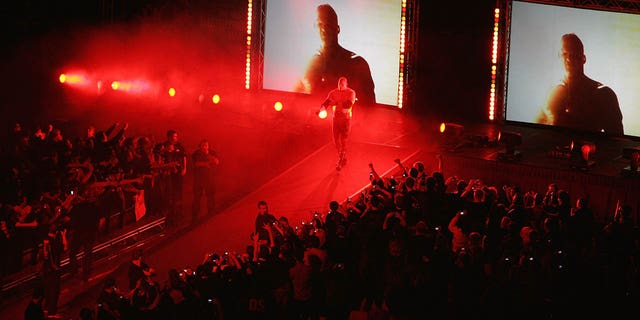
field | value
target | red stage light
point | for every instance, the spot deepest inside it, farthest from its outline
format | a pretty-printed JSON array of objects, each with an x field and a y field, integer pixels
[
  {"x": 278, "y": 106},
  {"x": 135, "y": 86},
  {"x": 72, "y": 79},
  {"x": 172, "y": 92},
  {"x": 215, "y": 99},
  {"x": 583, "y": 149},
  {"x": 587, "y": 150},
  {"x": 323, "y": 114}
]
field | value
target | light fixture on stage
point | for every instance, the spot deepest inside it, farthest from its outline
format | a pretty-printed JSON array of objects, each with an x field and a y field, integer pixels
[
  {"x": 451, "y": 129},
  {"x": 131, "y": 86},
  {"x": 633, "y": 155},
  {"x": 510, "y": 140},
  {"x": 580, "y": 153},
  {"x": 322, "y": 114},
  {"x": 100, "y": 87},
  {"x": 73, "y": 79},
  {"x": 278, "y": 106},
  {"x": 452, "y": 135},
  {"x": 204, "y": 99}
]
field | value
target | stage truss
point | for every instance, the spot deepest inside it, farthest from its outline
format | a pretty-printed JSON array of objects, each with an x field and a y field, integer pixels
[{"x": 628, "y": 6}]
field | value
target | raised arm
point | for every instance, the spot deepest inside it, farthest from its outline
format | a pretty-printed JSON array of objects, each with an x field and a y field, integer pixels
[
  {"x": 271, "y": 238},
  {"x": 120, "y": 134},
  {"x": 405, "y": 173},
  {"x": 453, "y": 223},
  {"x": 256, "y": 246},
  {"x": 373, "y": 171},
  {"x": 109, "y": 130},
  {"x": 234, "y": 259}
]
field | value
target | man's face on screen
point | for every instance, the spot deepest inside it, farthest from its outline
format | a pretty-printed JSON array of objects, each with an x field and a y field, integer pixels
[
  {"x": 573, "y": 59},
  {"x": 327, "y": 25},
  {"x": 328, "y": 32}
]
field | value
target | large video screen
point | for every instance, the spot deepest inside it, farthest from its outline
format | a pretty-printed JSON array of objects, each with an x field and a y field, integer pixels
[
  {"x": 307, "y": 47},
  {"x": 574, "y": 68}
]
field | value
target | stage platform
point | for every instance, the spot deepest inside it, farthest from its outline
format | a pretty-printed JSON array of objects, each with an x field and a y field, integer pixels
[{"x": 543, "y": 157}]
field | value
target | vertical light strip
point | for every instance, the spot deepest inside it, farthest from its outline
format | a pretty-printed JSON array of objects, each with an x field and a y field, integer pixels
[
  {"x": 247, "y": 72},
  {"x": 403, "y": 28},
  {"x": 494, "y": 65}
]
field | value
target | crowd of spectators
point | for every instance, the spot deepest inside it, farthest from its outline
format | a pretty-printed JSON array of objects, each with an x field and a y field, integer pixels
[
  {"x": 410, "y": 246},
  {"x": 50, "y": 180}
]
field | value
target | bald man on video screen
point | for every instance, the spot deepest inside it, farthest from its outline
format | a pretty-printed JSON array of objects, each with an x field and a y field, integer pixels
[
  {"x": 332, "y": 61},
  {"x": 580, "y": 102}
]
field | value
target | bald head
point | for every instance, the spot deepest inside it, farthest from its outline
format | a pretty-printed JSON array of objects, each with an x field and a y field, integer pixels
[
  {"x": 573, "y": 55},
  {"x": 571, "y": 42},
  {"x": 327, "y": 15},
  {"x": 328, "y": 25},
  {"x": 342, "y": 83}
]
